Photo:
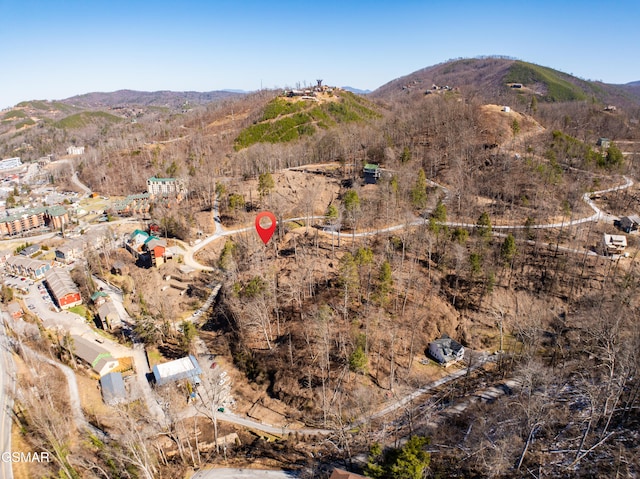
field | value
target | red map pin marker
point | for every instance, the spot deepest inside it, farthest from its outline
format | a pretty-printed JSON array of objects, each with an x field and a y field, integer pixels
[{"x": 265, "y": 233}]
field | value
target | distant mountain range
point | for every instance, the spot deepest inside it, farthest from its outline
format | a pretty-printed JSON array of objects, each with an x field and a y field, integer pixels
[
  {"x": 356, "y": 90},
  {"x": 162, "y": 98}
]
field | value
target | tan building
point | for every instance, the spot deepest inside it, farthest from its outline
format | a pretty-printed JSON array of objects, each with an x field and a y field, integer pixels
[
  {"x": 44, "y": 216},
  {"x": 614, "y": 244},
  {"x": 164, "y": 186},
  {"x": 23, "y": 266}
]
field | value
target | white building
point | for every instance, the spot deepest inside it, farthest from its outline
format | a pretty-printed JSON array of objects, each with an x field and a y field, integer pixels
[
  {"x": 164, "y": 186},
  {"x": 183, "y": 368},
  {"x": 75, "y": 150},
  {"x": 10, "y": 163},
  {"x": 614, "y": 244}
]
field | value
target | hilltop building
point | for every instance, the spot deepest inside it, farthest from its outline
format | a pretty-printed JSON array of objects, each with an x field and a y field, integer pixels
[
  {"x": 629, "y": 223},
  {"x": 148, "y": 250},
  {"x": 75, "y": 150},
  {"x": 371, "y": 173},
  {"x": 614, "y": 244}
]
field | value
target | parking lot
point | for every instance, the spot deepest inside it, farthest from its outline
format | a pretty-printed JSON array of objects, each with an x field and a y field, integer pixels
[
  {"x": 19, "y": 282},
  {"x": 30, "y": 289}
]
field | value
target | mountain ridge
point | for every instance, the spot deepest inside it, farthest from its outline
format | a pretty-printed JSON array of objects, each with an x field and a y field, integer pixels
[
  {"x": 491, "y": 77},
  {"x": 165, "y": 98}
]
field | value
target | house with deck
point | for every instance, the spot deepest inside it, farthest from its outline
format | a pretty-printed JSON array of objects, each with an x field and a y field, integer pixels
[
  {"x": 446, "y": 350},
  {"x": 614, "y": 244}
]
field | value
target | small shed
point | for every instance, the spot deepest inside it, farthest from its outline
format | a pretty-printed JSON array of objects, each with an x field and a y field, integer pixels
[
  {"x": 113, "y": 389},
  {"x": 119, "y": 267},
  {"x": 603, "y": 143}
]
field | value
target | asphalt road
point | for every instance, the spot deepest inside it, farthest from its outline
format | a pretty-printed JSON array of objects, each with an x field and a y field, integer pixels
[
  {"x": 227, "y": 473},
  {"x": 7, "y": 386}
]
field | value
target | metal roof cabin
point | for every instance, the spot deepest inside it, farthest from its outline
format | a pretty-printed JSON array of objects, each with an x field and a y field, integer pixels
[
  {"x": 183, "y": 368},
  {"x": 93, "y": 354},
  {"x": 629, "y": 223}
]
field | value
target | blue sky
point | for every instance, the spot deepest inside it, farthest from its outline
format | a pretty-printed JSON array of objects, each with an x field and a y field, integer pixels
[{"x": 53, "y": 49}]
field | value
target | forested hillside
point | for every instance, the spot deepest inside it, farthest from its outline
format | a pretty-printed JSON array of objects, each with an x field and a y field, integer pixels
[{"x": 486, "y": 224}]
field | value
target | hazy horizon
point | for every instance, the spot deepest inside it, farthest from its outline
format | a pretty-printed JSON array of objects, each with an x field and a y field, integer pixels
[{"x": 58, "y": 50}]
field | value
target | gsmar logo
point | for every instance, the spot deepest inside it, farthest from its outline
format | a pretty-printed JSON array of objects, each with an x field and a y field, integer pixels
[{"x": 42, "y": 456}]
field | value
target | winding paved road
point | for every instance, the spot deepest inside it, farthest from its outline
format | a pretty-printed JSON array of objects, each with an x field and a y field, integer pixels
[
  {"x": 598, "y": 214},
  {"x": 7, "y": 388},
  {"x": 227, "y": 473}
]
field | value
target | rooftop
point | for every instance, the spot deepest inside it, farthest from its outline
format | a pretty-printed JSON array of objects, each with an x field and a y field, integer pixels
[
  {"x": 113, "y": 390},
  {"x": 24, "y": 262},
  {"x": 182, "y": 368},
  {"x": 155, "y": 179},
  {"x": 88, "y": 350},
  {"x": 60, "y": 282},
  {"x": 615, "y": 240}
]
